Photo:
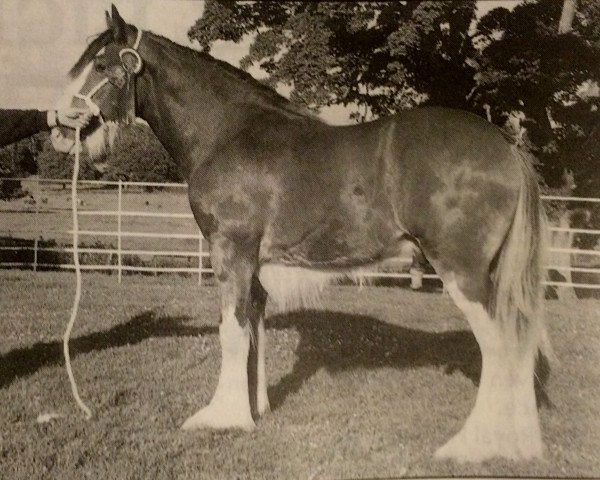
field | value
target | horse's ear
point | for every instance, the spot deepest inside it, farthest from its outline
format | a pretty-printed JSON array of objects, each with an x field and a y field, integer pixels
[
  {"x": 109, "y": 22},
  {"x": 117, "y": 24}
]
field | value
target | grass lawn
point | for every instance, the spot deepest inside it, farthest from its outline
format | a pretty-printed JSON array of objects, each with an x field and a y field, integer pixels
[{"x": 369, "y": 387}]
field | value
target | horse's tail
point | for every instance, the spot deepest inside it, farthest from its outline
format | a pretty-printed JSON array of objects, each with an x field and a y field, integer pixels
[{"x": 517, "y": 297}]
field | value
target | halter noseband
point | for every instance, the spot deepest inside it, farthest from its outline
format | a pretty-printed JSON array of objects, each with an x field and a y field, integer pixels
[{"x": 93, "y": 106}]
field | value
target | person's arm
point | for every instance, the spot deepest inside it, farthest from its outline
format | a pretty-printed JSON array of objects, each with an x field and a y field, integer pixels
[{"x": 18, "y": 124}]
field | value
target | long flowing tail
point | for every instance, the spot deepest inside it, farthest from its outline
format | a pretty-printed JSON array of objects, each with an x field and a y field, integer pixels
[{"x": 517, "y": 298}]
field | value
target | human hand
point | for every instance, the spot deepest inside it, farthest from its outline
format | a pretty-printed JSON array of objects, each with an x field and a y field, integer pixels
[
  {"x": 74, "y": 117},
  {"x": 60, "y": 142},
  {"x": 71, "y": 117}
]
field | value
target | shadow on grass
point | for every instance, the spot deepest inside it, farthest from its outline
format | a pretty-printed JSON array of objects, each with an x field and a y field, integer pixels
[
  {"x": 340, "y": 341},
  {"x": 28, "y": 360},
  {"x": 332, "y": 340}
]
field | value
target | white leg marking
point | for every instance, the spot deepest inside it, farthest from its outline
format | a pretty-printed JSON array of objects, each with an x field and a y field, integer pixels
[
  {"x": 504, "y": 421},
  {"x": 230, "y": 405},
  {"x": 263, "y": 399}
]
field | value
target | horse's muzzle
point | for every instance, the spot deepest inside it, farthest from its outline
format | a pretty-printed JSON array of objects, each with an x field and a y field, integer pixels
[{"x": 63, "y": 138}]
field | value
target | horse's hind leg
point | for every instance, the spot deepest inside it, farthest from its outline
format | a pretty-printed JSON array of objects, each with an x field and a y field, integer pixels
[
  {"x": 504, "y": 420},
  {"x": 230, "y": 406}
]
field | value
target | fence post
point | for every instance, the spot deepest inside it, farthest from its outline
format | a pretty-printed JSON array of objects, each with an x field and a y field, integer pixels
[
  {"x": 119, "y": 256},
  {"x": 37, "y": 223},
  {"x": 35, "y": 254},
  {"x": 200, "y": 257}
]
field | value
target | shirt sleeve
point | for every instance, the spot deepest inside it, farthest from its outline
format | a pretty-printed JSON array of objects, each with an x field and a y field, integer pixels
[{"x": 18, "y": 124}]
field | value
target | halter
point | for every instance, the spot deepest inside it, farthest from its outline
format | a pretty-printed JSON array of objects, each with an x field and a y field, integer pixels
[{"x": 93, "y": 106}]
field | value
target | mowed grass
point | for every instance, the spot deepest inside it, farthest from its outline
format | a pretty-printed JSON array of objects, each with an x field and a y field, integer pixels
[{"x": 369, "y": 387}]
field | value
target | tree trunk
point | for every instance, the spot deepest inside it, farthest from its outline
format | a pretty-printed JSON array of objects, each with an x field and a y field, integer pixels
[{"x": 566, "y": 18}]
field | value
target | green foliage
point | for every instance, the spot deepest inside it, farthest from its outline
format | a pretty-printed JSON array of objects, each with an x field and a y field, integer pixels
[
  {"x": 380, "y": 57},
  {"x": 138, "y": 156},
  {"x": 18, "y": 161},
  {"x": 525, "y": 65},
  {"x": 56, "y": 165},
  {"x": 377, "y": 56}
]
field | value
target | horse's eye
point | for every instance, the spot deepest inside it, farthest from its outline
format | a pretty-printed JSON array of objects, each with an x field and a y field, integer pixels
[{"x": 100, "y": 64}]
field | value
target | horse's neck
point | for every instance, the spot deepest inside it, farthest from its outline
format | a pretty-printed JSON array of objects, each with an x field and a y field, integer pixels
[{"x": 184, "y": 100}]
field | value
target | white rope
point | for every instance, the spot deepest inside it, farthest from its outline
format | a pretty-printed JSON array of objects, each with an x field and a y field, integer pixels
[
  {"x": 95, "y": 109},
  {"x": 138, "y": 39},
  {"x": 67, "y": 335}
]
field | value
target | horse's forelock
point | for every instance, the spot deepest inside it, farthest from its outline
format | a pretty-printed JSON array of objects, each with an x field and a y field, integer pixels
[{"x": 90, "y": 52}]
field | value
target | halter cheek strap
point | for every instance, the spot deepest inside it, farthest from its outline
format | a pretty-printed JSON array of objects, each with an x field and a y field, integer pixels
[
  {"x": 133, "y": 51},
  {"x": 93, "y": 106}
]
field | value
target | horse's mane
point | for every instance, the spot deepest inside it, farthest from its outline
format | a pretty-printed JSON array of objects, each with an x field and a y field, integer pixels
[
  {"x": 241, "y": 75},
  {"x": 105, "y": 37}
]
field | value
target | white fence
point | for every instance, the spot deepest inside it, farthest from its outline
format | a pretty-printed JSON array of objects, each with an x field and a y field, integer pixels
[
  {"x": 38, "y": 201},
  {"x": 23, "y": 222}
]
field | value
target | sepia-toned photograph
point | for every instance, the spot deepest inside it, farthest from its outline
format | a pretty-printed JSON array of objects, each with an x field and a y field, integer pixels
[{"x": 299, "y": 239}]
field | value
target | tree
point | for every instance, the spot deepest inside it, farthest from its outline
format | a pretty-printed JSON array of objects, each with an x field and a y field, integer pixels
[
  {"x": 138, "y": 156},
  {"x": 17, "y": 161},
  {"x": 527, "y": 66},
  {"x": 384, "y": 56},
  {"x": 56, "y": 165},
  {"x": 378, "y": 56}
]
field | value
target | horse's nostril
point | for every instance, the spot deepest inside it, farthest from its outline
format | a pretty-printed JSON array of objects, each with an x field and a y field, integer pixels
[
  {"x": 66, "y": 132},
  {"x": 93, "y": 125}
]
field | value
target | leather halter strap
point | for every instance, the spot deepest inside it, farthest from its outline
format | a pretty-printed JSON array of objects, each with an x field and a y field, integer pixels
[{"x": 87, "y": 98}]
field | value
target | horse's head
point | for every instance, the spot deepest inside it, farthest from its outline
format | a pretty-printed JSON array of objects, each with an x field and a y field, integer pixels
[{"x": 104, "y": 81}]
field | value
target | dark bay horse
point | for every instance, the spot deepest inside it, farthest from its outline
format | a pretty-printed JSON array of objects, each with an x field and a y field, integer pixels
[{"x": 287, "y": 202}]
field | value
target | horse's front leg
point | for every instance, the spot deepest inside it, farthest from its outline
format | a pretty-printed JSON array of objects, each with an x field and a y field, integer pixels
[
  {"x": 230, "y": 407},
  {"x": 257, "y": 379}
]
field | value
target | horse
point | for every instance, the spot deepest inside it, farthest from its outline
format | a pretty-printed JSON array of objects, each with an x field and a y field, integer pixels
[{"x": 288, "y": 203}]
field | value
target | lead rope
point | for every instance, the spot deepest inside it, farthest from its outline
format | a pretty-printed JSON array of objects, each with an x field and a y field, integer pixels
[
  {"x": 67, "y": 335},
  {"x": 96, "y": 112}
]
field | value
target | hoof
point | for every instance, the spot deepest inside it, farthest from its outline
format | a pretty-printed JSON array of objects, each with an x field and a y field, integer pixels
[
  {"x": 264, "y": 411},
  {"x": 477, "y": 447},
  {"x": 264, "y": 408},
  {"x": 219, "y": 418}
]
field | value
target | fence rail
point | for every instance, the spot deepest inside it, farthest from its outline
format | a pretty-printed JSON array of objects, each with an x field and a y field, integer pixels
[{"x": 41, "y": 206}]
